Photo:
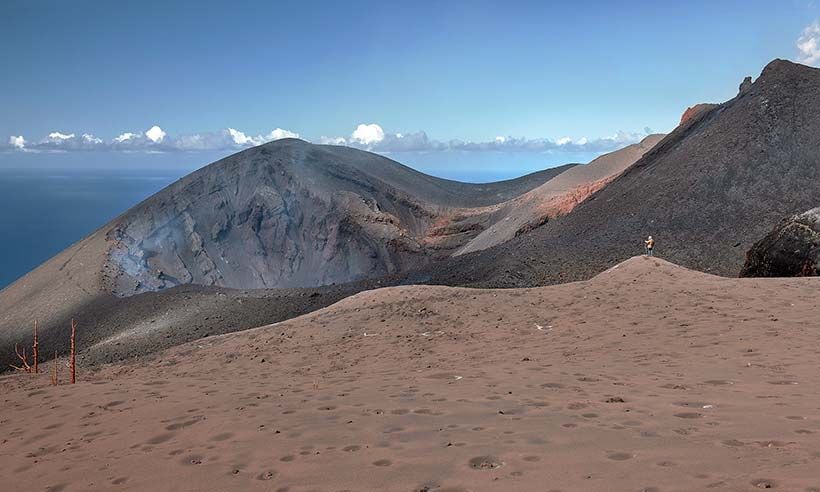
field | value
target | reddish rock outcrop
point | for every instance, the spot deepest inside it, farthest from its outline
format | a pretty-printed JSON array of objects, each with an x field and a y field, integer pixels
[{"x": 695, "y": 110}]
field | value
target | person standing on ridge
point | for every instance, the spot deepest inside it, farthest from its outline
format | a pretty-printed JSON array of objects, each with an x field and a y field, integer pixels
[{"x": 650, "y": 246}]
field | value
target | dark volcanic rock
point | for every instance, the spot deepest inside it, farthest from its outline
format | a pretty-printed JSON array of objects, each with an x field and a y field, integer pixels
[
  {"x": 792, "y": 249},
  {"x": 745, "y": 85}
]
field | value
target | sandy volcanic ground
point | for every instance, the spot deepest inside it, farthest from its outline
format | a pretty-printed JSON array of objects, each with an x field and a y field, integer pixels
[{"x": 648, "y": 377}]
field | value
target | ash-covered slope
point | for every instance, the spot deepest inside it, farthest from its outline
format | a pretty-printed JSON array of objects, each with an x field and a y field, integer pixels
[
  {"x": 707, "y": 192},
  {"x": 556, "y": 197}
]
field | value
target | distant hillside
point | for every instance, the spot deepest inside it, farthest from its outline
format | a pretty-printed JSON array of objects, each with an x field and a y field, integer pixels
[
  {"x": 707, "y": 192},
  {"x": 554, "y": 198}
]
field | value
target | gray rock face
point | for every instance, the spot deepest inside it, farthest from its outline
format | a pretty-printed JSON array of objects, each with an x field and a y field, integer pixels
[
  {"x": 283, "y": 215},
  {"x": 287, "y": 214},
  {"x": 792, "y": 249}
]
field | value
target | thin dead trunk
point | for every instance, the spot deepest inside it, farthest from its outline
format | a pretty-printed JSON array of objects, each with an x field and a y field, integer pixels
[
  {"x": 34, "y": 349},
  {"x": 73, "y": 356},
  {"x": 54, "y": 380}
]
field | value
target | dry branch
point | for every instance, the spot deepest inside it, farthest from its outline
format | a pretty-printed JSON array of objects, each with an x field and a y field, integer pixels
[{"x": 23, "y": 358}]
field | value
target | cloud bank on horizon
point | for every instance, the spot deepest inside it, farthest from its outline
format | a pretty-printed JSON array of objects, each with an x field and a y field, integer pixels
[
  {"x": 371, "y": 137},
  {"x": 808, "y": 44}
]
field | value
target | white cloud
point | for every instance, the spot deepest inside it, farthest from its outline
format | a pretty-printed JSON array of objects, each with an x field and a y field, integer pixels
[
  {"x": 91, "y": 139},
  {"x": 18, "y": 143},
  {"x": 373, "y": 137},
  {"x": 239, "y": 138},
  {"x": 809, "y": 44},
  {"x": 279, "y": 134},
  {"x": 124, "y": 137},
  {"x": 59, "y": 137},
  {"x": 332, "y": 140},
  {"x": 368, "y": 134},
  {"x": 155, "y": 134}
]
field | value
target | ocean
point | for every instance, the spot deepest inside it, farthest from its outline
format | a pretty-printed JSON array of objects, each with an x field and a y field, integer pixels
[{"x": 44, "y": 211}]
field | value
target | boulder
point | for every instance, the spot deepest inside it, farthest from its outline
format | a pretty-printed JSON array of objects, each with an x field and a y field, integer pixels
[{"x": 792, "y": 249}]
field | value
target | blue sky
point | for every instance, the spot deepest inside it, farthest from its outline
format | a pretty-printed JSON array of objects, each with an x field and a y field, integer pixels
[{"x": 556, "y": 81}]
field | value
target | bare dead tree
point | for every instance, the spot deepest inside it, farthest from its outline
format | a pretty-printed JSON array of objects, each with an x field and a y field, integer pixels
[
  {"x": 34, "y": 350},
  {"x": 54, "y": 380},
  {"x": 73, "y": 356}
]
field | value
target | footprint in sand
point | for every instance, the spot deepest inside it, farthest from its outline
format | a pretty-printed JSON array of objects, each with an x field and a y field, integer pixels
[
  {"x": 222, "y": 437},
  {"x": 552, "y": 385},
  {"x": 382, "y": 462},
  {"x": 181, "y": 425},
  {"x": 692, "y": 404},
  {"x": 733, "y": 443},
  {"x": 266, "y": 475},
  {"x": 193, "y": 459},
  {"x": 764, "y": 483},
  {"x": 167, "y": 436},
  {"x": 485, "y": 463},
  {"x": 620, "y": 456}
]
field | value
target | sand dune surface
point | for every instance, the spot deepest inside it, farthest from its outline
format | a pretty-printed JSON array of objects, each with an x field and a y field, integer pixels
[{"x": 647, "y": 377}]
